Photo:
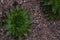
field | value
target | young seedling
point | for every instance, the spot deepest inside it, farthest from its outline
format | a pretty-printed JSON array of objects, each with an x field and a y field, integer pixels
[{"x": 18, "y": 23}]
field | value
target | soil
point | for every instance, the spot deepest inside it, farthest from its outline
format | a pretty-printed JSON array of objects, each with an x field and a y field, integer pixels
[{"x": 42, "y": 29}]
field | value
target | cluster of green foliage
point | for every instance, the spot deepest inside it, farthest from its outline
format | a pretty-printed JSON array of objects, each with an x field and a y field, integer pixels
[
  {"x": 18, "y": 23},
  {"x": 51, "y": 9}
]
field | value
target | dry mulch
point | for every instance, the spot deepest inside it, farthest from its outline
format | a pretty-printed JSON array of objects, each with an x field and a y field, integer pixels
[{"x": 41, "y": 28}]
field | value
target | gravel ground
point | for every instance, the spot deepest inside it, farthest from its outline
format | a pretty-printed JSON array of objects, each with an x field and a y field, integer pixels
[{"x": 41, "y": 28}]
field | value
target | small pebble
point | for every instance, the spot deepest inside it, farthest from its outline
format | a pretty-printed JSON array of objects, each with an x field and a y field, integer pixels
[
  {"x": 1, "y": 1},
  {"x": 0, "y": 13},
  {"x": 21, "y": 1},
  {"x": 45, "y": 25},
  {"x": 1, "y": 29}
]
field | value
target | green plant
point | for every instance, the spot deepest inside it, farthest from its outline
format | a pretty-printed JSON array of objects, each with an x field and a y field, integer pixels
[
  {"x": 51, "y": 9},
  {"x": 18, "y": 22}
]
